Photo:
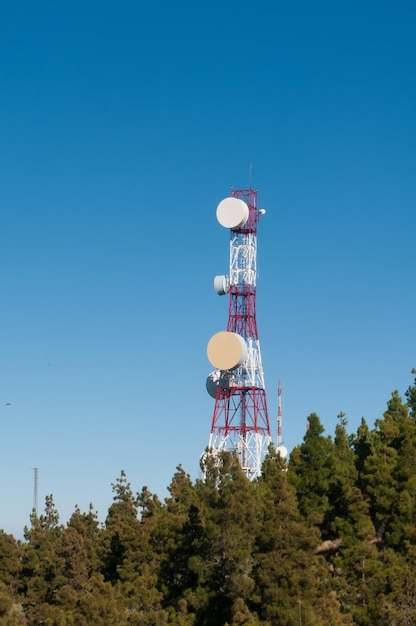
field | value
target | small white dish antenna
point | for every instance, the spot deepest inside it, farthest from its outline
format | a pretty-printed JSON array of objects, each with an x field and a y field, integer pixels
[
  {"x": 282, "y": 450},
  {"x": 232, "y": 213},
  {"x": 222, "y": 285}
]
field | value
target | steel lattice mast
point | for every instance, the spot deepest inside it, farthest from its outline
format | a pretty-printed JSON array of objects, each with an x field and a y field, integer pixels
[{"x": 240, "y": 420}]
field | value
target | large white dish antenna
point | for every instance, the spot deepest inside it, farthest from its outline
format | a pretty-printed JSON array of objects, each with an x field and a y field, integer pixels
[
  {"x": 226, "y": 351},
  {"x": 232, "y": 213},
  {"x": 222, "y": 285}
]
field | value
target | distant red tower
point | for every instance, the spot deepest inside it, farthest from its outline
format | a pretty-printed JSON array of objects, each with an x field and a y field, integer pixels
[
  {"x": 281, "y": 449},
  {"x": 240, "y": 421}
]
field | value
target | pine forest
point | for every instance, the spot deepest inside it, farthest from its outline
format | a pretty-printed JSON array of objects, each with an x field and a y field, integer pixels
[{"x": 326, "y": 537}]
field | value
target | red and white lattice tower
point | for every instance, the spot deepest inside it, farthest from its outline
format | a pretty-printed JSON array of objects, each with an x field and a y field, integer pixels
[{"x": 240, "y": 421}]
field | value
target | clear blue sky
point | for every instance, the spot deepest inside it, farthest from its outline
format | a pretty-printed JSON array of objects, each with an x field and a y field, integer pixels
[{"x": 122, "y": 125}]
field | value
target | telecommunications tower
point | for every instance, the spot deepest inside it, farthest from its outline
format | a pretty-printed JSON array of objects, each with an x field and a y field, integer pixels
[{"x": 240, "y": 421}]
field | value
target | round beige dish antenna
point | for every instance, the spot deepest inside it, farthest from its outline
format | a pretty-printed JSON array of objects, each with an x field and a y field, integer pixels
[
  {"x": 282, "y": 450},
  {"x": 232, "y": 213},
  {"x": 222, "y": 285},
  {"x": 226, "y": 351}
]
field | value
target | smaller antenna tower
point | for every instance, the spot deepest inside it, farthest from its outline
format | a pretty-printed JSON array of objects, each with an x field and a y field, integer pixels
[
  {"x": 279, "y": 415},
  {"x": 35, "y": 489},
  {"x": 280, "y": 447}
]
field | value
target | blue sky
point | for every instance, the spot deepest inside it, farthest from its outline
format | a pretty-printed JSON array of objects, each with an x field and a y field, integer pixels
[{"x": 121, "y": 128}]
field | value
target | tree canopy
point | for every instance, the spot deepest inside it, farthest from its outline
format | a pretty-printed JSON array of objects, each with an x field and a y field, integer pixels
[{"x": 327, "y": 537}]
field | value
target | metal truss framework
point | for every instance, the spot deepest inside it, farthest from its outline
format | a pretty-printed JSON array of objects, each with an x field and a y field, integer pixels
[{"x": 240, "y": 421}]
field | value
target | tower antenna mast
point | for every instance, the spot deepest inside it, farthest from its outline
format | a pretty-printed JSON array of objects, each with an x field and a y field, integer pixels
[
  {"x": 35, "y": 489},
  {"x": 279, "y": 415},
  {"x": 240, "y": 423},
  {"x": 282, "y": 450}
]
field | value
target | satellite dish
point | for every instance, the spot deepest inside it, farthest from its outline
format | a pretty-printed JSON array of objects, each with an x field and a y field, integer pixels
[
  {"x": 232, "y": 213},
  {"x": 219, "y": 379},
  {"x": 282, "y": 450},
  {"x": 226, "y": 351},
  {"x": 222, "y": 285},
  {"x": 212, "y": 382}
]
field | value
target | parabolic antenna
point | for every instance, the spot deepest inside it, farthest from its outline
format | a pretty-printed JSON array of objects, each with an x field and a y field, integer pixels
[
  {"x": 222, "y": 285},
  {"x": 226, "y": 351},
  {"x": 232, "y": 213},
  {"x": 219, "y": 379},
  {"x": 212, "y": 382},
  {"x": 282, "y": 450}
]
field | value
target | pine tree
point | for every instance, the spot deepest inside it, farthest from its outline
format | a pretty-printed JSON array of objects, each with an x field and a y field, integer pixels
[
  {"x": 129, "y": 561},
  {"x": 121, "y": 529},
  {"x": 87, "y": 526},
  {"x": 224, "y": 532},
  {"x": 361, "y": 583},
  {"x": 348, "y": 516},
  {"x": 292, "y": 581},
  {"x": 400, "y": 598},
  {"x": 10, "y": 562},
  {"x": 384, "y": 462},
  {"x": 399, "y": 431},
  {"x": 40, "y": 564},
  {"x": 362, "y": 445},
  {"x": 411, "y": 397},
  {"x": 388, "y": 477},
  {"x": 309, "y": 472},
  {"x": 181, "y": 534}
]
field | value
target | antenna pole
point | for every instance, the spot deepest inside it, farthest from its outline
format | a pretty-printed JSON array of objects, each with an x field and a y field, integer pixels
[
  {"x": 35, "y": 489},
  {"x": 279, "y": 415}
]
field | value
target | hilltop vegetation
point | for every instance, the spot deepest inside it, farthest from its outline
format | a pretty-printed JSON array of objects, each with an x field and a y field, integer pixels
[{"x": 328, "y": 538}]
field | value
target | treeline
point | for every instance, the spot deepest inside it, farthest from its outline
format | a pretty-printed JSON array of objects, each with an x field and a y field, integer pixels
[{"x": 327, "y": 538}]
